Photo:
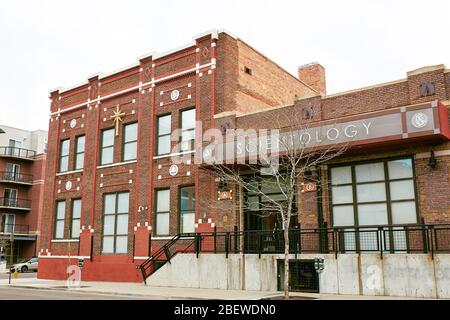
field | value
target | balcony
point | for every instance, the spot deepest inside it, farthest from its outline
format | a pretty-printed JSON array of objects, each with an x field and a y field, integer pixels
[
  {"x": 17, "y": 178},
  {"x": 17, "y": 153},
  {"x": 20, "y": 231},
  {"x": 17, "y": 204}
]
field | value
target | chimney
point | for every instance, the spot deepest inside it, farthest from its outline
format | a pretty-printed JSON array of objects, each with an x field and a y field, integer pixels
[{"x": 313, "y": 74}]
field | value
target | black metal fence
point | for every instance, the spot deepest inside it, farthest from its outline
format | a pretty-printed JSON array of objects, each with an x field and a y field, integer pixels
[
  {"x": 16, "y": 177},
  {"x": 15, "y": 203},
  {"x": 17, "y": 152},
  {"x": 377, "y": 239}
]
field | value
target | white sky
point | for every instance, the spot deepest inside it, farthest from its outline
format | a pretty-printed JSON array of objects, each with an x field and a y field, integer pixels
[{"x": 45, "y": 44}]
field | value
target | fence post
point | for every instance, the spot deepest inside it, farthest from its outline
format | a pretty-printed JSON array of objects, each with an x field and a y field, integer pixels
[
  {"x": 215, "y": 239},
  {"x": 325, "y": 237},
  {"x": 227, "y": 244},
  {"x": 433, "y": 241},
  {"x": 424, "y": 236},
  {"x": 197, "y": 244},
  {"x": 380, "y": 241},
  {"x": 259, "y": 237},
  {"x": 235, "y": 239}
]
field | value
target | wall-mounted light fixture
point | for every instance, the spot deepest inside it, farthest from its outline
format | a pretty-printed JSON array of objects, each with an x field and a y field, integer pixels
[{"x": 432, "y": 162}]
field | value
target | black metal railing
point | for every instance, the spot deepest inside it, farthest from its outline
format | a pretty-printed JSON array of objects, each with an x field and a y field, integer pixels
[
  {"x": 376, "y": 239},
  {"x": 17, "y": 152},
  {"x": 16, "y": 177},
  {"x": 14, "y": 228},
  {"x": 15, "y": 203}
]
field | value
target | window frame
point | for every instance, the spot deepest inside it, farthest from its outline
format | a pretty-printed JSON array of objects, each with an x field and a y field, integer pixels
[
  {"x": 57, "y": 220},
  {"x": 72, "y": 218},
  {"x": 129, "y": 142},
  {"x": 77, "y": 153},
  {"x": 155, "y": 218},
  {"x": 61, "y": 156},
  {"x": 116, "y": 215},
  {"x": 158, "y": 135},
  {"x": 180, "y": 212},
  {"x": 386, "y": 181},
  {"x": 103, "y": 147},
  {"x": 192, "y": 147}
]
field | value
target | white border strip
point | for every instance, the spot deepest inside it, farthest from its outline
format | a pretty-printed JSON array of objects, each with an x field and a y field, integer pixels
[
  {"x": 63, "y": 257},
  {"x": 66, "y": 240},
  {"x": 173, "y": 155},
  {"x": 116, "y": 164},
  {"x": 69, "y": 172},
  {"x": 139, "y": 86}
]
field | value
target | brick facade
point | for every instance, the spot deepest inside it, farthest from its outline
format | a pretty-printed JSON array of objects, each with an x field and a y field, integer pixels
[{"x": 229, "y": 83}]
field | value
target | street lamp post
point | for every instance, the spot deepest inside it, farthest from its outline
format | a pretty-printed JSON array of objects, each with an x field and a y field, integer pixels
[{"x": 12, "y": 252}]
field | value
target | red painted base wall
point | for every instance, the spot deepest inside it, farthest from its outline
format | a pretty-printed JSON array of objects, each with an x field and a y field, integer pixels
[{"x": 56, "y": 269}]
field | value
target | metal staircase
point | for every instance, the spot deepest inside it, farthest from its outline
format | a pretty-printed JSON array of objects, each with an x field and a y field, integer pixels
[{"x": 166, "y": 253}]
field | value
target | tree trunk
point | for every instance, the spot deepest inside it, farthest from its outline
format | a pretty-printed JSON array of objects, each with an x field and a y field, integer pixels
[{"x": 286, "y": 261}]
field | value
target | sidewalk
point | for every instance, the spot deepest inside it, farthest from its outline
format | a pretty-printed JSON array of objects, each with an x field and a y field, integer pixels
[{"x": 139, "y": 289}]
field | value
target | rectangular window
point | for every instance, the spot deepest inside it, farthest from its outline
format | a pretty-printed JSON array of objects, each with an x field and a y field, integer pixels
[
  {"x": 164, "y": 134},
  {"x": 373, "y": 194},
  {"x": 64, "y": 155},
  {"x": 187, "y": 130},
  {"x": 107, "y": 150},
  {"x": 76, "y": 218},
  {"x": 115, "y": 223},
  {"x": 187, "y": 209},
  {"x": 59, "y": 219},
  {"x": 130, "y": 142},
  {"x": 79, "y": 152},
  {"x": 162, "y": 212}
]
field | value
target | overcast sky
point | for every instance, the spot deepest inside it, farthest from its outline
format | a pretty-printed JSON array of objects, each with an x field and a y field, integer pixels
[{"x": 48, "y": 44}]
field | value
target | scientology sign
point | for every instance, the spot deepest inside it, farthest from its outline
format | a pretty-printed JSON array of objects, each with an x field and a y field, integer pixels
[{"x": 387, "y": 125}]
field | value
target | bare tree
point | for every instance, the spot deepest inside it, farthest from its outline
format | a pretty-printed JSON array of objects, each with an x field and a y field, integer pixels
[{"x": 296, "y": 155}]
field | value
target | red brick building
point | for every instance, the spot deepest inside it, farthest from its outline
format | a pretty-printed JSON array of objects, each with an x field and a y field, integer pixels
[
  {"x": 22, "y": 170},
  {"x": 113, "y": 196}
]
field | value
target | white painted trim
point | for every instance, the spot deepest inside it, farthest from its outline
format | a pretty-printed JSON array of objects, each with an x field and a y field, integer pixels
[
  {"x": 173, "y": 155},
  {"x": 63, "y": 257},
  {"x": 66, "y": 240},
  {"x": 139, "y": 86},
  {"x": 69, "y": 172},
  {"x": 116, "y": 164},
  {"x": 163, "y": 238},
  {"x": 141, "y": 258}
]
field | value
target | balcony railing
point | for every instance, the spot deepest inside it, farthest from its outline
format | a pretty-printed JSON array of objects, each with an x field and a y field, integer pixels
[
  {"x": 15, "y": 228},
  {"x": 16, "y": 177},
  {"x": 15, "y": 203},
  {"x": 17, "y": 153}
]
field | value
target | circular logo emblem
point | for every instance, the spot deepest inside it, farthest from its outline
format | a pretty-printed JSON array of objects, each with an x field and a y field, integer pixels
[
  {"x": 68, "y": 185},
  {"x": 173, "y": 170},
  {"x": 419, "y": 120},
  {"x": 174, "y": 95},
  {"x": 73, "y": 123}
]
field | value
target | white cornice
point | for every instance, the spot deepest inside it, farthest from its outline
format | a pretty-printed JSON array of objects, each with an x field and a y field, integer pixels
[{"x": 214, "y": 35}]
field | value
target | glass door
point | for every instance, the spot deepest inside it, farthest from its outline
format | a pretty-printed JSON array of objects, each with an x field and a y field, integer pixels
[{"x": 12, "y": 172}]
